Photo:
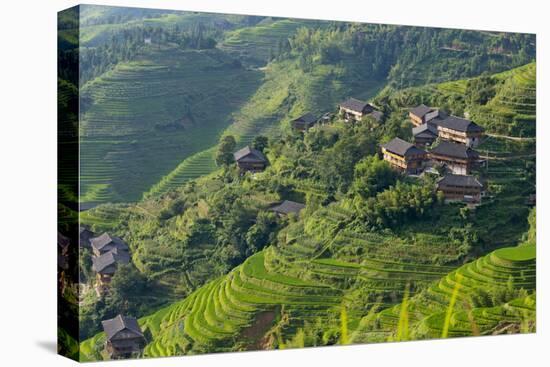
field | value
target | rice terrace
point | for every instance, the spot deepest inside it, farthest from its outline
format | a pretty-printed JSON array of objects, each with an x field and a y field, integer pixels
[{"x": 258, "y": 183}]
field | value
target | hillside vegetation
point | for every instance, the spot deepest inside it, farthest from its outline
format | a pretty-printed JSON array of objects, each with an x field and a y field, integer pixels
[
  {"x": 374, "y": 256},
  {"x": 503, "y": 103},
  {"x": 199, "y": 74},
  {"x": 359, "y": 249}
]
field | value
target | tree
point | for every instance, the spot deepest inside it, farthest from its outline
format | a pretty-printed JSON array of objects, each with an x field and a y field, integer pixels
[
  {"x": 127, "y": 283},
  {"x": 262, "y": 232},
  {"x": 226, "y": 147},
  {"x": 373, "y": 175},
  {"x": 260, "y": 142}
]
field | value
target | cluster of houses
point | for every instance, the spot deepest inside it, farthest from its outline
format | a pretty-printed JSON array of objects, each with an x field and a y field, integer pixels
[
  {"x": 108, "y": 251},
  {"x": 252, "y": 160},
  {"x": 451, "y": 141},
  {"x": 440, "y": 140},
  {"x": 124, "y": 338}
]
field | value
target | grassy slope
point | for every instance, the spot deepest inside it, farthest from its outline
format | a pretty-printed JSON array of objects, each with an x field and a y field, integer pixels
[
  {"x": 287, "y": 92},
  {"x": 297, "y": 283},
  {"x": 322, "y": 256},
  {"x": 510, "y": 268},
  {"x": 511, "y": 111},
  {"x": 161, "y": 103}
]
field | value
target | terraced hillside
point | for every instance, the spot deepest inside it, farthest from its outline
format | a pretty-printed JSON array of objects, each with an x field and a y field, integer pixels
[
  {"x": 143, "y": 118},
  {"x": 195, "y": 166},
  {"x": 513, "y": 108},
  {"x": 274, "y": 293},
  {"x": 257, "y": 44},
  {"x": 287, "y": 92},
  {"x": 479, "y": 298}
]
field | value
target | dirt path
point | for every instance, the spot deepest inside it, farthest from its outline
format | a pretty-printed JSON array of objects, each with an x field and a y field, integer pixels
[
  {"x": 515, "y": 138},
  {"x": 512, "y": 157}
]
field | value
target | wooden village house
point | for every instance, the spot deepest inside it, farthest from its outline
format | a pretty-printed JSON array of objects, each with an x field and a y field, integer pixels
[
  {"x": 105, "y": 243},
  {"x": 124, "y": 337},
  {"x": 460, "y": 188},
  {"x": 460, "y": 130},
  {"x": 423, "y": 114},
  {"x": 250, "y": 160},
  {"x": 287, "y": 207},
  {"x": 404, "y": 156},
  {"x": 458, "y": 158},
  {"x": 354, "y": 110},
  {"x": 304, "y": 122},
  {"x": 105, "y": 267},
  {"x": 424, "y": 135}
]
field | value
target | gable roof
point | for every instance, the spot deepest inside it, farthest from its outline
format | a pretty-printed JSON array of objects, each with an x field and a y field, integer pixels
[
  {"x": 456, "y": 150},
  {"x": 307, "y": 118},
  {"x": 377, "y": 115},
  {"x": 355, "y": 105},
  {"x": 84, "y": 236},
  {"x": 425, "y": 130},
  {"x": 254, "y": 154},
  {"x": 287, "y": 207},
  {"x": 402, "y": 147},
  {"x": 119, "y": 323},
  {"x": 105, "y": 239},
  {"x": 459, "y": 180},
  {"x": 83, "y": 230},
  {"x": 421, "y": 110},
  {"x": 102, "y": 262},
  {"x": 460, "y": 124}
]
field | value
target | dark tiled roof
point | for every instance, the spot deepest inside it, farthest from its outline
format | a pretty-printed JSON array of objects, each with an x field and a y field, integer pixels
[
  {"x": 425, "y": 130},
  {"x": 287, "y": 207},
  {"x": 356, "y": 105},
  {"x": 402, "y": 147},
  {"x": 119, "y": 323},
  {"x": 251, "y": 153},
  {"x": 85, "y": 234},
  {"x": 105, "y": 239},
  {"x": 377, "y": 115},
  {"x": 307, "y": 118},
  {"x": 455, "y": 150},
  {"x": 460, "y": 124},
  {"x": 102, "y": 262},
  {"x": 109, "y": 258},
  {"x": 460, "y": 180},
  {"x": 421, "y": 110}
]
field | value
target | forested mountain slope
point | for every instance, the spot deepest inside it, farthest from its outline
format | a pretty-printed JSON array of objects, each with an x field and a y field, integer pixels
[
  {"x": 362, "y": 245},
  {"x": 176, "y": 80}
]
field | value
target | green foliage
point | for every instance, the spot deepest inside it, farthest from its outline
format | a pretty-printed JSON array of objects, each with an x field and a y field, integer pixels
[
  {"x": 262, "y": 232},
  {"x": 226, "y": 148},
  {"x": 375, "y": 256},
  {"x": 372, "y": 175},
  {"x": 396, "y": 206},
  {"x": 260, "y": 142}
]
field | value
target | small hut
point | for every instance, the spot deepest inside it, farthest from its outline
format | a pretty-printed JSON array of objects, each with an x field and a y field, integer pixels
[
  {"x": 250, "y": 160},
  {"x": 354, "y": 110},
  {"x": 287, "y": 207},
  {"x": 124, "y": 337},
  {"x": 304, "y": 122}
]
